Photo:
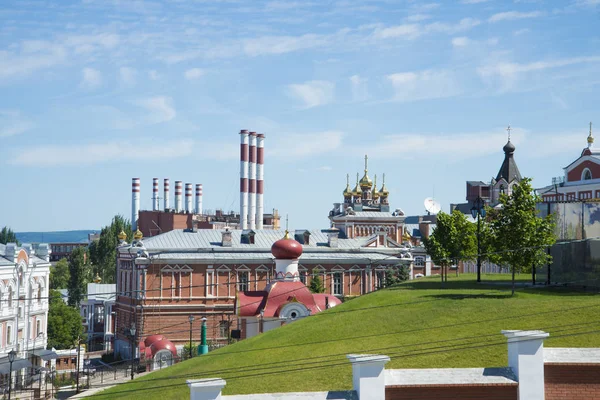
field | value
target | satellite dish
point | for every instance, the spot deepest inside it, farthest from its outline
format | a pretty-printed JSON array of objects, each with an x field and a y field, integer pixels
[{"x": 432, "y": 206}]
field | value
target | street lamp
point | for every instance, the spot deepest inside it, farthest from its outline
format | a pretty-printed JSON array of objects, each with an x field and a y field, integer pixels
[
  {"x": 132, "y": 335},
  {"x": 11, "y": 359},
  {"x": 478, "y": 211},
  {"x": 191, "y": 319}
]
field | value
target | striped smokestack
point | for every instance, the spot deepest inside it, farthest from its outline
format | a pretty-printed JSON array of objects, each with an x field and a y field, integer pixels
[
  {"x": 252, "y": 194},
  {"x": 135, "y": 202},
  {"x": 178, "y": 189},
  {"x": 198, "y": 198},
  {"x": 188, "y": 198},
  {"x": 166, "y": 194},
  {"x": 244, "y": 179},
  {"x": 260, "y": 160},
  {"x": 155, "y": 205}
]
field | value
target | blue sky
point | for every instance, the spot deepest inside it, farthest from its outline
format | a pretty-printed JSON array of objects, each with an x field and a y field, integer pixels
[{"x": 96, "y": 92}]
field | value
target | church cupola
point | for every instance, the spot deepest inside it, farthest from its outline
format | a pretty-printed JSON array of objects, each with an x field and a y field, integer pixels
[
  {"x": 509, "y": 170},
  {"x": 383, "y": 192},
  {"x": 347, "y": 191},
  {"x": 286, "y": 251},
  {"x": 590, "y": 138},
  {"x": 375, "y": 193},
  {"x": 365, "y": 182},
  {"x": 357, "y": 192}
]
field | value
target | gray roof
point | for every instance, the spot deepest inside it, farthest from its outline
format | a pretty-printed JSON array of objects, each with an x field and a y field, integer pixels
[
  {"x": 268, "y": 256},
  {"x": 211, "y": 238},
  {"x": 509, "y": 170},
  {"x": 345, "y": 395}
]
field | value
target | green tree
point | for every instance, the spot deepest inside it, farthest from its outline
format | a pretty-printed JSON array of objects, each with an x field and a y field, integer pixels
[
  {"x": 521, "y": 237},
  {"x": 186, "y": 350},
  {"x": 60, "y": 275},
  {"x": 316, "y": 284},
  {"x": 103, "y": 252},
  {"x": 396, "y": 274},
  {"x": 454, "y": 239},
  {"x": 8, "y": 236},
  {"x": 79, "y": 275},
  {"x": 64, "y": 323}
]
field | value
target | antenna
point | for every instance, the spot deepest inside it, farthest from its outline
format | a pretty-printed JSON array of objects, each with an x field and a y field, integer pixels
[{"x": 432, "y": 206}]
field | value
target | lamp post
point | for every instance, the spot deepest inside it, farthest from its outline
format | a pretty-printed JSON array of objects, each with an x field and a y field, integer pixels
[
  {"x": 191, "y": 319},
  {"x": 132, "y": 335},
  {"x": 78, "y": 360},
  {"x": 203, "y": 345},
  {"x": 11, "y": 359},
  {"x": 478, "y": 211}
]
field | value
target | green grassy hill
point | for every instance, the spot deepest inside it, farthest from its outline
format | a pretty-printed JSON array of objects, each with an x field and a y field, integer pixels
[{"x": 418, "y": 324}]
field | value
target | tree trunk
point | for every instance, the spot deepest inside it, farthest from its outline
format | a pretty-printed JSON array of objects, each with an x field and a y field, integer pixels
[{"x": 513, "y": 280}]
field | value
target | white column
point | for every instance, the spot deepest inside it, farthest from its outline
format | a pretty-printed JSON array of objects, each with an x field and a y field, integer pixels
[
  {"x": 205, "y": 389},
  {"x": 155, "y": 205},
  {"x": 368, "y": 378},
  {"x": 178, "y": 201},
  {"x": 198, "y": 198},
  {"x": 135, "y": 202},
  {"x": 526, "y": 359},
  {"x": 188, "y": 198},
  {"x": 244, "y": 155},
  {"x": 166, "y": 194}
]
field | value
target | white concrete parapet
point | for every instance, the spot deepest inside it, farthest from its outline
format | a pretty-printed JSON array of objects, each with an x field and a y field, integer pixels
[
  {"x": 205, "y": 389},
  {"x": 368, "y": 377},
  {"x": 526, "y": 359}
]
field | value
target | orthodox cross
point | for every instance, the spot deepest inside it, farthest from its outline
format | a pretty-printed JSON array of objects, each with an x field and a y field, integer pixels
[
  {"x": 357, "y": 174},
  {"x": 508, "y": 130},
  {"x": 383, "y": 179},
  {"x": 347, "y": 179},
  {"x": 366, "y": 161},
  {"x": 590, "y": 129}
]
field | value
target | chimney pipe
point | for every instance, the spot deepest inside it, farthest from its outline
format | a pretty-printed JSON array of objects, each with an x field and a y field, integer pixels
[
  {"x": 178, "y": 189},
  {"x": 260, "y": 160},
  {"x": 135, "y": 202},
  {"x": 244, "y": 179},
  {"x": 155, "y": 205},
  {"x": 166, "y": 195},
  {"x": 252, "y": 195},
  {"x": 188, "y": 198},
  {"x": 198, "y": 198}
]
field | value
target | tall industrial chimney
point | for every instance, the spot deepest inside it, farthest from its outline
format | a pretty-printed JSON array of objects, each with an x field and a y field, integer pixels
[
  {"x": 198, "y": 198},
  {"x": 260, "y": 160},
  {"x": 135, "y": 202},
  {"x": 178, "y": 189},
  {"x": 155, "y": 205},
  {"x": 252, "y": 195},
  {"x": 166, "y": 195},
  {"x": 244, "y": 179},
  {"x": 188, "y": 198}
]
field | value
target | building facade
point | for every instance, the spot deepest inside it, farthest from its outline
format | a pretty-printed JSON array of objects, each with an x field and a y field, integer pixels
[
  {"x": 98, "y": 316},
  {"x": 24, "y": 283}
]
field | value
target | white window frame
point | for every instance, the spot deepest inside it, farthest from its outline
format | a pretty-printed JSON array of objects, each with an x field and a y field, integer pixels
[
  {"x": 337, "y": 271},
  {"x": 243, "y": 269},
  {"x": 261, "y": 269},
  {"x": 9, "y": 334},
  {"x": 585, "y": 170},
  {"x": 419, "y": 261},
  {"x": 210, "y": 287}
]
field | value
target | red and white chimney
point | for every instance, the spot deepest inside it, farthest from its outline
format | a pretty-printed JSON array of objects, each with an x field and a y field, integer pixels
[
  {"x": 252, "y": 194},
  {"x": 135, "y": 202},
  {"x": 244, "y": 154},
  {"x": 155, "y": 205},
  {"x": 188, "y": 198},
  {"x": 198, "y": 198},
  {"x": 166, "y": 194},
  {"x": 178, "y": 200},
  {"x": 260, "y": 159}
]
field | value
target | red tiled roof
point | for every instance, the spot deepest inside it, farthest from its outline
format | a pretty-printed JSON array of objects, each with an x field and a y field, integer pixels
[{"x": 249, "y": 304}]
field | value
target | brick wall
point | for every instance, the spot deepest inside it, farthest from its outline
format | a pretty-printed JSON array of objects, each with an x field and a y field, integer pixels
[
  {"x": 572, "y": 381},
  {"x": 452, "y": 392}
]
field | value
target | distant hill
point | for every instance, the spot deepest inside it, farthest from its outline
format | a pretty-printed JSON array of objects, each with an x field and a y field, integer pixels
[{"x": 54, "y": 237}]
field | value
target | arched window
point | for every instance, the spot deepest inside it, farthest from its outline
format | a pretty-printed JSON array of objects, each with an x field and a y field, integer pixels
[
  {"x": 586, "y": 174},
  {"x": 10, "y": 296}
]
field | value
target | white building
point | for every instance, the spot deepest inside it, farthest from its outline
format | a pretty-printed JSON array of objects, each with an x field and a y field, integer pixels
[
  {"x": 98, "y": 318},
  {"x": 24, "y": 282}
]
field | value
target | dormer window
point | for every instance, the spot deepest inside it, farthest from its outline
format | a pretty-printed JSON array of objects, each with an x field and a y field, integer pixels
[{"x": 586, "y": 175}]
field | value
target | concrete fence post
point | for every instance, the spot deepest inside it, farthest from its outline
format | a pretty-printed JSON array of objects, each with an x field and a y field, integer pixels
[
  {"x": 526, "y": 359},
  {"x": 368, "y": 377},
  {"x": 205, "y": 389}
]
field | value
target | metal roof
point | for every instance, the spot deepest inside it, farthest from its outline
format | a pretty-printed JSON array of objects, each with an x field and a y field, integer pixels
[{"x": 269, "y": 256}]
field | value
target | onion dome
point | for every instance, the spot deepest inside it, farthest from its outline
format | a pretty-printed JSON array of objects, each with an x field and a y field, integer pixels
[
  {"x": 383, "y": 191},
  {"x": 97, "y": 279},
  {"x": 138, "y": 235},
  {"x": 375, "y": 193},
  {"x": 509, "y": 147},
  {"x": 347, "y": 191},
  {"x": 365, "y": 182},
  {"x": 590, "y": 138},
  {"x": 357, "y": 190},
  {"x": 122, "y": 235},
  {"x": 286, "y": 248}
]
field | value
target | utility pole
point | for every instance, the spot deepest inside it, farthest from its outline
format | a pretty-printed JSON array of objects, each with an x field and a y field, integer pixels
[
  {"x": 191, "y": 319},
  {"x": 78, "y": 359},
  {"x": 132, "y": 334}
]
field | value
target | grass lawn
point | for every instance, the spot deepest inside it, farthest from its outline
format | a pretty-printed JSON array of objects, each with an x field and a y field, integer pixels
[{"x": 417, "y": 323}]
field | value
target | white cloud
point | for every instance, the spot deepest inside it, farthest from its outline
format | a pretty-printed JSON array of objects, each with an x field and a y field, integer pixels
[
  {"x": 519, "y": 32},
  {"x": 417, "y": 17},
  {"x": 153, "y": 75},
  {"x": 461, "y": 41},
  {"x": 128, "y": 75},
  {"x": 30, "y": 59},
  {"x": 306, "y": 144},
  {"x": 312, "y": 93},
  {"x": 95, "y": 153},
  {"x": 193, "y": 74},
  {"x": 420, "y": 85},
  {"x": 412, "y": 31},
  {"x": 508, "y": 70},
  {"x": 91, "y": 78},
  {"x": 12, "y": 123},
  {"x": 282, "y": 44},
  {"x": 473, "y": 1},
  {"x": 160, "y": 109},
  {"x": 359, "y": 88},
  {"x": 324, "y": 168},
  {"x": 82, "y": 44},
  {"x": 587, "y": 3},
  {"x": 513, "y": 15}
]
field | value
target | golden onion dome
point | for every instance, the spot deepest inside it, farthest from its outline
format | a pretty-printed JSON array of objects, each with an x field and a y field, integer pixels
[
  {"x": 375, "y": 193},
  {"x": 347, "y": 191},
  {"x": 357, "y": 190},
  {"x": 138, "y": 235},
  {"x": 122, "y": 235},
  {"x": 590, "y": 138},
  {"x": 383, "y": 191},
  {"x": 97, "y": 279},
  {"x": 365, "y": 182}
]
